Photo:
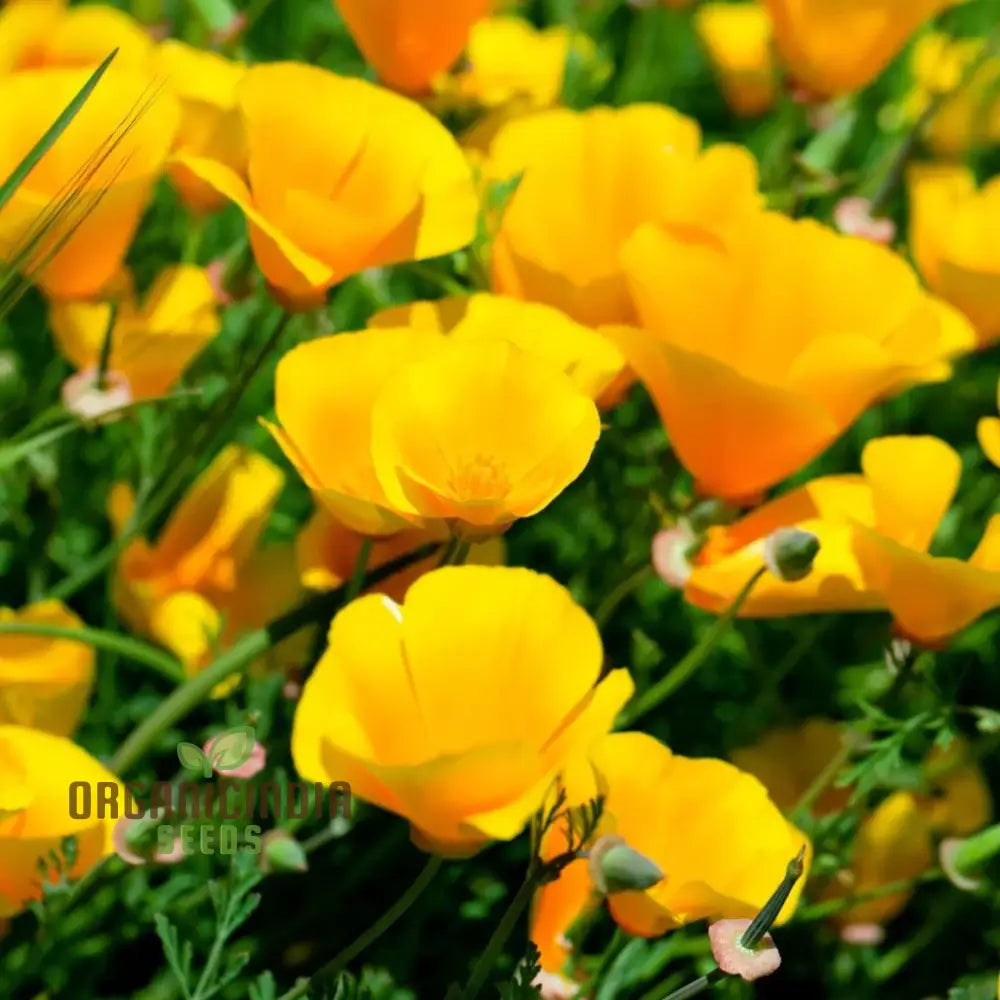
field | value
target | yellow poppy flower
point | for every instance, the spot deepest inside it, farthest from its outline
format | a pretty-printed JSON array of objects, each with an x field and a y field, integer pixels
[
  {"x": 838, "y": 46},
  {"x": 970, "y": 118},
  {"x": 211, "y": 126},
  {"x": 152, "y": 342},
  {"x": 952, "y": 232},
  {"x": 392, "y": 427},
  {"x": 49, "y": 33},
  {"x": 44, "y": 683},
  {"x": 29, "y": 103},
  {"x": 738, "y": 39},
  {"x": 721, "y": 843},
  {"x": 988, "y": 432},
  {"x": 406, "y": 41},
  {"x": 755, "y": 357},
  {"x": 875, "y": 531},
  {"x": 510, "y": 60},
  {"x": 36, "y": 769},
  {"x": 341, "y": 175},
  {"x": 590, "y": 179},
  {"x": 590, "y": 359},
  {"x": 204, "y": 582},
  {"x": 430, "y": 711}
]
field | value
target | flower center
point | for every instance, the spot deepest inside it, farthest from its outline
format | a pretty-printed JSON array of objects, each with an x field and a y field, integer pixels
[{"x": 482, "y": 478}]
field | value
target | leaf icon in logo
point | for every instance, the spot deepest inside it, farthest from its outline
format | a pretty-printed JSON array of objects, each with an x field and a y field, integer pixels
[
  {"x": 232, "y": 748},
  {"x": 193, "y": 758}
]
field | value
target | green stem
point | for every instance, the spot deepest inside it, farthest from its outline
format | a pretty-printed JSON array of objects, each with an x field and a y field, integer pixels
[
  {"x": 615, "y": 947},
  {"x": 831, "y": 907},
  {"x": 821, "y": 782},
  {"x": 625, "y": 589},
  {"x": 357, "y": 580},
  {"x": 488, "y": 959},
  {"x": 897, "y": 166},
  {"x": 692, "y": 663},
  {"x": 106, "y": 346},
  {"x": 112, "y": 642},
  {"x": 697, "y": 987},
  {"x": 237, "y": 659},
  {"x": 341, "y": 961}
]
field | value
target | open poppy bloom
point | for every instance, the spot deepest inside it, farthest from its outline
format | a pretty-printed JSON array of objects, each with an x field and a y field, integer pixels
[
  {"x": 44, "y": 682},
  {"x": 328, "y": 553},
  {"x": 341, "y": 175},
  {"x": 153, "y": 341},
  {"x": 510, "y": 60},
  {"x": 754, "y": 356},
  {"x": 205, "y": 581},
  {"x": 36, "y": 769},
  {"x": 969, "y": 118},
  {"x": 590, "y": 359},
  {"x": 49, "y": 33},
  {"x": 397, "y": 427},
  {"x": 211, "y": 125},
  {"x": 721, "y": 843},
  {"x": 835, "y": 47},
  {"x": 875, "y": 532},
  {"x": 589, "y": 180},
  {"x": 431, "y": 711},
  {"x": 953, "y": 230},
  {"x": 738, "y": 39},
  {"x": 408, "y": 42},
  {"x": 122, "y": 106}
]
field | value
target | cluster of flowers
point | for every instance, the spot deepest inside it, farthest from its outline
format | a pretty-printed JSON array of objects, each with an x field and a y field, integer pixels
[{"x": 627, "y": 251}]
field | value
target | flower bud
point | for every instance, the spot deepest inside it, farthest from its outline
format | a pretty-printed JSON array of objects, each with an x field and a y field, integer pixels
[
  {"x": 616, "y": 867},
  {"x": 963, "y": 858},
  {"x": 735, "y": 958},
  {"x": 789, "y": 553},
  {"x": 283, "y": 853}
]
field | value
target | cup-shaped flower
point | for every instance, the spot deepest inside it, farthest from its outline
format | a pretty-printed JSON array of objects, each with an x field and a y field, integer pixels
[
  {"x": 152, "y": 341},
  {"x": 755, "y": 357},
  {"x": 969, "y": 118},
  {"x": 720, "y": 842},
  {"x": 328, "y": 552},
  {"x": 835, "y": 47},
  {"x": 52, "y": 34},
  {"x": 590, "y": 359},
  {"x": 44, "y": 682},
  {"x": 36, "y": 771},
  {"x": 205, "y": 581},
  {"x": 408, "y": 42},
  {"x": 875, "y": 533},
  {"x": 738, "y": 39},
  {"x": 211, "y": 125},
  {"x": 341, "y": 175},
  {"x": 510, "y": 60},
  {"x": 114, "y": 150},
  {"x": 390, "y": 427},
  {"x": 952, "y": 232},
  {"x": 589, "y": 180},
  {"x": 457, "y": 709},
  {"x": 988, "y": 433}
]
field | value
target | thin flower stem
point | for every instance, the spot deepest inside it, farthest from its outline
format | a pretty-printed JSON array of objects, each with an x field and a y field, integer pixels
[
  {"x": 236, "y": 659},
  {"x": 625, "y": 589},
  {"x": 106, "y": 346},
  {"x": 357, "y": 581},
  {"x": 341, "y": 961},
  {"x": 697, "y": 987},
  {"x": 615, "y": 947},
  {"x": 897, "y": 168},
  {"x": 488, "y": 959},
  {"x": 831, "y": 907},
  {"x": 175, "y": 470},
  {"x": 692, "y": 663},
  {"x": 822, "y": 781},
  {"x": 112, "y": 642}
]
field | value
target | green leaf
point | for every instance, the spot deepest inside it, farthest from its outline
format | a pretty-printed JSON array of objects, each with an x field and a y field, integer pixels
[
  {"x": 40, "y": 148},
  {"x": 194, "y": 759},
  {"x": 232, "y": 748}
]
